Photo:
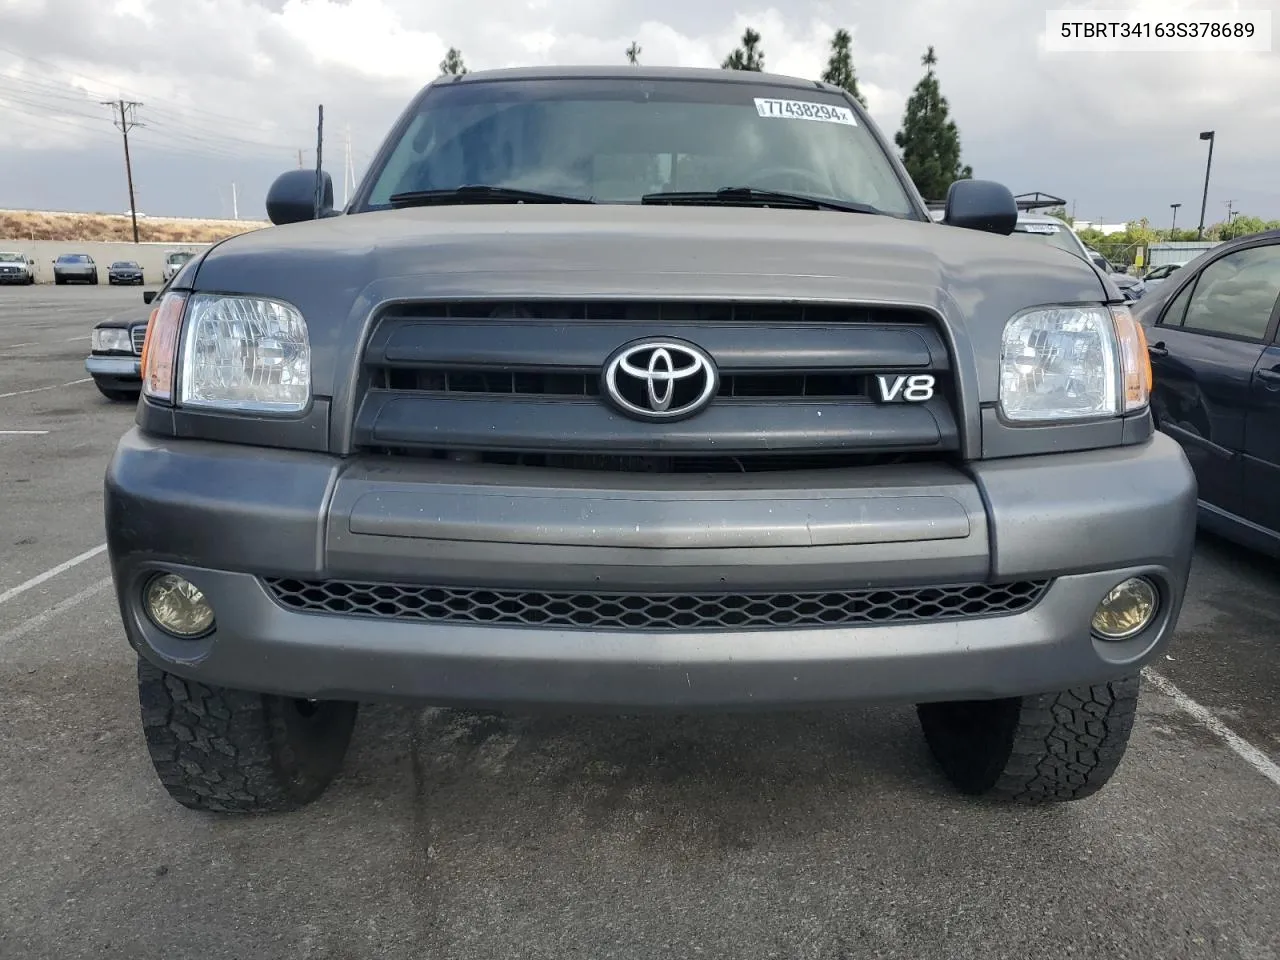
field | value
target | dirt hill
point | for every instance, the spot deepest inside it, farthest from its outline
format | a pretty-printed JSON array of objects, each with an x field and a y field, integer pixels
[{"x": 85, "y": 227}]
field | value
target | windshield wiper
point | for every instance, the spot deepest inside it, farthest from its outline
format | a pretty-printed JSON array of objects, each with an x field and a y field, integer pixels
[
  {"x": 480, "y": 193},
  {"x": 753, "y": 196}
]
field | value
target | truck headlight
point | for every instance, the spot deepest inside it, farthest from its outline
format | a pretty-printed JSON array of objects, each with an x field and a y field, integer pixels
[
  {"x": 110, "y": 340},
  {"x": 1073, "y": 363},
  {"x": 245, "y": 353}
]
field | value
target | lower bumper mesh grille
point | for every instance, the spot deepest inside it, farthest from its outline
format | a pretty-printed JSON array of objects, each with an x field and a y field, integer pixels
[{"x": 656, "y": 612}]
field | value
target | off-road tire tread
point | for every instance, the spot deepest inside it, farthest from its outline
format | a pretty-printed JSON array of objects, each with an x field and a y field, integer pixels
[
  {"x": 226, "y": 751},
  {"x": 1053, "y": 747}
]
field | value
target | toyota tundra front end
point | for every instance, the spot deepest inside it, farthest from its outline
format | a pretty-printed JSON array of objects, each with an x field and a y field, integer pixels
[{"x": 642, "y": 389}]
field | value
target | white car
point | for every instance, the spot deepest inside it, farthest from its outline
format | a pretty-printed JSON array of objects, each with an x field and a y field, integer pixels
[
  {"x": 174, "y": 262},
  {"x": 16, "y": 268}
]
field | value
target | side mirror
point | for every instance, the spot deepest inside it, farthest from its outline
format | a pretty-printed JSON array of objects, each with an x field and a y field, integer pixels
[
  {"x": 292, "y": 198},
  {"x": 148, "y": 296},
  {"x": 981, "y": 205}
]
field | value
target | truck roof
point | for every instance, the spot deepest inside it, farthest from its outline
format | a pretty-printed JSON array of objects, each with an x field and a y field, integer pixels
[{"x": 616, "y": 71}]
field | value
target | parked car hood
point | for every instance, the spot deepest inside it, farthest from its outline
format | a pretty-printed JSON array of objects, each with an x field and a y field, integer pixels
[
  {"x": 124, "y": 319},
  {"x": 337, "y": 270}
]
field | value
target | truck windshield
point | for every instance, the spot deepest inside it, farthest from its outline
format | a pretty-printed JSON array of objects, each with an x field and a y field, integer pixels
[
  {"x": 11, "y": 258},
  {"x": 616, "y": 140}
]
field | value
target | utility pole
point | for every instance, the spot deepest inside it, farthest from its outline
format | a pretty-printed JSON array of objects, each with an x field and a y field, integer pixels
[
  {"x": 319, "y": 195},
  {"x": 1205, "y": 135},
  {"x": 346, "y": 165},
  {"x": 1173, "y": 227},
  {"x": 1230, "y": 216},
  {"x": 124, "y": 123}
]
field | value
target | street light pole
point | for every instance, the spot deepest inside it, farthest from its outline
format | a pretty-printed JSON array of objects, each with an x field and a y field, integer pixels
[
  {"x": 1173, "y": 227},
  {"x": 1206, "y": 135}
]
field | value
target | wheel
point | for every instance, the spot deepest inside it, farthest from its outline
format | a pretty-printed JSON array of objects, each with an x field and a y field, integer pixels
[
  {"x": 1045, "y": 748},
  {"x": 94, "y": 281},
  {"x": 119, "y": 396},
  {"x": 233, "y": 751},
  {"x": 59, "y": 281}
]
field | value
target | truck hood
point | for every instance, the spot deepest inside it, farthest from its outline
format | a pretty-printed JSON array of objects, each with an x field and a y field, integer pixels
[{"x": 337, "y": 270}]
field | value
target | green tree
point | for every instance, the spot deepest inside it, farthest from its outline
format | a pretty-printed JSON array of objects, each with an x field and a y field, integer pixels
[
  {"x": 929, "y": 140},
  {"x": 452, "y": 62},
  {"x": 749, "y": 56},
  {"x": 840, "y": 66},
  {"x": 1243, "y": 226}
]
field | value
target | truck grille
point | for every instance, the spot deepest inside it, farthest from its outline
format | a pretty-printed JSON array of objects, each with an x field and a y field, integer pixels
[
  {"x": 138, "y": 334},
  {"x": 520, "y": 382},
  {"x": 656, "y": 612}
]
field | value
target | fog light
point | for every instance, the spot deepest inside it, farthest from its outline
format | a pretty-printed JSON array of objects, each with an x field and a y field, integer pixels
[
  {"x": 177, "y": 606},
  {"x": 1127, "y": 610}
]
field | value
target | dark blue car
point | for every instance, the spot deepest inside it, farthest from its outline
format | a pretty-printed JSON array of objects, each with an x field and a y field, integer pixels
[{"x": 1211, "y": 333}]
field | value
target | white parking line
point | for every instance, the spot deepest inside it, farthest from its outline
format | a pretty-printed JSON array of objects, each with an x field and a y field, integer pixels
[
  {"x": 51, "y": 573},
  {"x": 55, "y": 386},
  {"x": 1242, "y": 748},
  {"x": 71, "y": 339},
  {"x": 10, "y": 346},
  {"x": 23, "y": 433},
  {"x": 26, "y": 626}
]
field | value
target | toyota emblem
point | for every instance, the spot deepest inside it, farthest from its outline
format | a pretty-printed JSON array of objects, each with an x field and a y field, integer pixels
[{"x": 660, "y": 379}]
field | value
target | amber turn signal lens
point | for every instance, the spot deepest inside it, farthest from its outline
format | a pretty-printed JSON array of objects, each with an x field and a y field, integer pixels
[
  {"x": 1135, "y": 362},
  {"x": 160, "y": 349}
]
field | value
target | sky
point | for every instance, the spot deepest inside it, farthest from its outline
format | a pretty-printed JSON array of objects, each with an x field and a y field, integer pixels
[{"x": 229, "y": 90}]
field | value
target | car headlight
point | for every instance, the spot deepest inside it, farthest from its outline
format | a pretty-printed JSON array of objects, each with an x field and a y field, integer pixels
[
  {"x": 245, "y": 353},
  {"x": 1073, "y": 363},
  {"x": 110, "y": 341}
]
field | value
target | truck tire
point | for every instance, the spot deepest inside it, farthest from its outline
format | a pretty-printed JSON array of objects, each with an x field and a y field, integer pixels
[
  {"x": 233, "y": 751},
  {"x": 1046, "y": 748}
]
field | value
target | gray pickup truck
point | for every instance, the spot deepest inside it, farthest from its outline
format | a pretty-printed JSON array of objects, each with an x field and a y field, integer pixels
[{"x": 641, "y": 389}]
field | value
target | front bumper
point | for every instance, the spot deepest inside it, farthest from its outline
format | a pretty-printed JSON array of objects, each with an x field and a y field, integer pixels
[
  {"x": 228, "y": 518},
  {"x": 115, "y": 371},
  {"x": 15, "y": 278}
]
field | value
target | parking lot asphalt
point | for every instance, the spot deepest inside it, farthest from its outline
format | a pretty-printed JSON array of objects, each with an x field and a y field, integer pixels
[{"x": 458, "y": 835}]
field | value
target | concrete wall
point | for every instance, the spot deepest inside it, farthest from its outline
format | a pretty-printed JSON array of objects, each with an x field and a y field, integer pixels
[{"x": 150, "y": 256}]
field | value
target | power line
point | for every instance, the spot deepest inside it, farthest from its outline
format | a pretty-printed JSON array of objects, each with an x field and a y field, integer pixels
[
  {"x": 126, "y": 122},
  {"x": 40, "y": 98},
  {"x": 156, "y": 107}
]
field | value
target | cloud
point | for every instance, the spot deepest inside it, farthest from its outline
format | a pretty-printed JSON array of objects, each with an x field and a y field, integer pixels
[{"x": 230, "y": 87}]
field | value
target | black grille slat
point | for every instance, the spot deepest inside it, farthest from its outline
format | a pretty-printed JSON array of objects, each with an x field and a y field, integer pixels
[
  {"x": 656, "y": 612},
  {"x": 753, "y": 426},
  {"x": 827, "y": 386},
  {"x": 896, "y": 341}
]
